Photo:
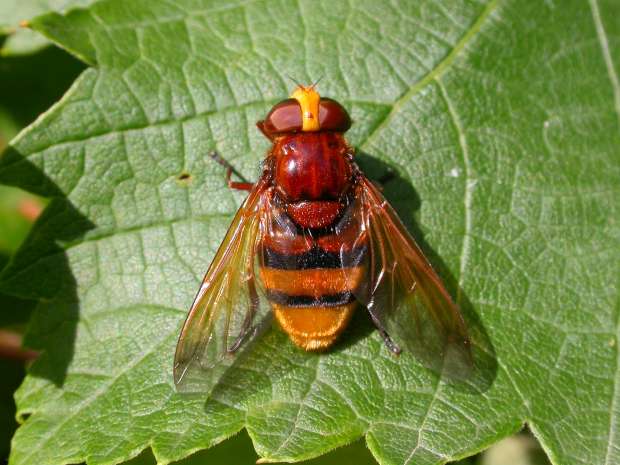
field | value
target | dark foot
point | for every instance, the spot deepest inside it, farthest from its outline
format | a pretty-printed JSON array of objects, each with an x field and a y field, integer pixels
[
  {"x": 233, "y": 348},
  {"x": 384, "y": 334},
  {"x": 389, "y": 343},
  {"x": 242, "y": 186},
  {"x": 387, "y": 177}
]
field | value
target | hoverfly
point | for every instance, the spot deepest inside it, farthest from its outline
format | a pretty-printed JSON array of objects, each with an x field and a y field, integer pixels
[{"x": 314, "y": 239}]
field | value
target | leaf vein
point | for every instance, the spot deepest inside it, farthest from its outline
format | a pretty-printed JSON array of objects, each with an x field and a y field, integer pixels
[
  {"x": 96, "y": 394},
  {"x": 295, "y": 425},
  {"x": 433, "y": 74},
  {"x": 469, "y": 187},
  {"x": 611, "y": 71}
]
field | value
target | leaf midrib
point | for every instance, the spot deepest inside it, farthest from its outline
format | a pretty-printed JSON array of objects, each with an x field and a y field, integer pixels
[
  {"x": 615, "y": 86},
  {"x": 604, "y": 43}
]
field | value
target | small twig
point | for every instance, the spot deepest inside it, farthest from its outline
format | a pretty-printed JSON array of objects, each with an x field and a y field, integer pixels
[{"x": 11, "y": 347}]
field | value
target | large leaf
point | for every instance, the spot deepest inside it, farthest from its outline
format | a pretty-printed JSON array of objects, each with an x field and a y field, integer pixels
[{"x": 501, "y": 123}]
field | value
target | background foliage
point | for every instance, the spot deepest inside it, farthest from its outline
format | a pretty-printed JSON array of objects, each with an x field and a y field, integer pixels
[
  {"x": 501, "y": 122},
  {"x": 14, "y": 15}
]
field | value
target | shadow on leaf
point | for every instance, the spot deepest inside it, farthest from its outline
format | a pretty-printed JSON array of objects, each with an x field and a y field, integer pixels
[
  {"x": 40, "y": 269},
  {"x": 405, "y": 200}
]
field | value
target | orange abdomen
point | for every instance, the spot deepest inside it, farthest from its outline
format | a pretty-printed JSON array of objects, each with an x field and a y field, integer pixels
[{"x": 311, "y": 293}]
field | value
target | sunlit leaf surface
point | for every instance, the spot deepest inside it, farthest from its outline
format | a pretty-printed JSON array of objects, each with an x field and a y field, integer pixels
[{"x": 501, "y": 122}]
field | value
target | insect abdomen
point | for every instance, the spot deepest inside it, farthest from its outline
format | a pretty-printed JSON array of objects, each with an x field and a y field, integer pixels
[{"x": 310, "y": 291}]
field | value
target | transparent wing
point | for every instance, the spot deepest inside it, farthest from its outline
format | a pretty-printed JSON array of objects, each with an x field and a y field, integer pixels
[
  {"x": 227, "y": 312},
  {"x": 403, "y": 293}
]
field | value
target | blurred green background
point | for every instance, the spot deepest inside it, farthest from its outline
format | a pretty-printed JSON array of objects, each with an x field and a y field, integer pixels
[{"x": 29, "y": 85}]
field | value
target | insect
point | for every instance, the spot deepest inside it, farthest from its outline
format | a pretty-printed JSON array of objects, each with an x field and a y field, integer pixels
[{"x": 314, "y": 239}]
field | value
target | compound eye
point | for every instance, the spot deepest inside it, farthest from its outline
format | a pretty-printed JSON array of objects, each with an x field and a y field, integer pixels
[
  {"x": 283, "y": 117},
  {"x": 333, "y": 116},
  {"x": 286, "y": 117}
]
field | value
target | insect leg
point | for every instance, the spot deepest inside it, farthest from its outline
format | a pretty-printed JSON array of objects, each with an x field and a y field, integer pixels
[
  {"x": 242, "y": 186},
  {"x": 390, "y": 344},
  {"x": 247, "y": 327},
  {"x": 387, "y": 177}
]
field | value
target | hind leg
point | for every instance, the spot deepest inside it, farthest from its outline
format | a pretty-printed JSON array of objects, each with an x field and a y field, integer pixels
[{"x": 390, "y": 344}]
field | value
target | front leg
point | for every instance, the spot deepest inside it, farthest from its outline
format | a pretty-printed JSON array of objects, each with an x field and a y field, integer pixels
[{"x": 241, "y": 186}]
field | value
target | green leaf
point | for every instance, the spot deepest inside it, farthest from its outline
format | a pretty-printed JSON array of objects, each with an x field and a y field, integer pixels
[
  {"x": 13, "y": 14},
  {"x": 238, "y": 450},
  {"x": 22, "y": 42},
  {"x": 501, "y": 121}
]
